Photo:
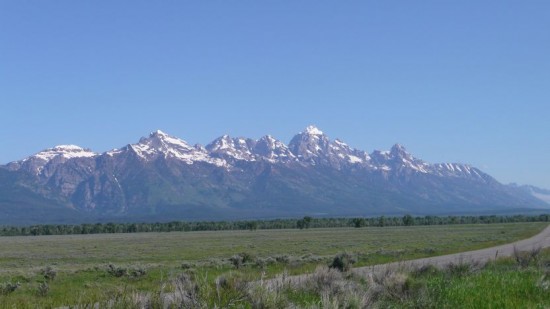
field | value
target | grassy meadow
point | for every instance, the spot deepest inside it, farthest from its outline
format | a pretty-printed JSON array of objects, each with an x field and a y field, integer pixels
[
  {"x": 520, "y": 281},
  {"x": 51, "y": 271}
]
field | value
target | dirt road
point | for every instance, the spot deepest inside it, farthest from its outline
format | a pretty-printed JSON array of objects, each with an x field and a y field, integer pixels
[{"x": 541, "y": 240}]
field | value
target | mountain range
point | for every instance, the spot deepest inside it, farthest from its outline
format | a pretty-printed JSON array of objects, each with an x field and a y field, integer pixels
[{"x": 162, "y": 177}]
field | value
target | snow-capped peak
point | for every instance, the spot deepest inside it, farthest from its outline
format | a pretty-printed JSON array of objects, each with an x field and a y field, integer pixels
[
  {"x": 398, "y": 148},
  {"x": 158, "y": 132},
  {"x": 59, "y": 154},
  {"x": 313, "y": 130},
  {"x": 235, "y": 148},
  {"x": 399, "y": 152},
  {"x": 163, "y": 141},
  {"x": 65, "y": 151},
  {"x": 312, "y": 146},
  {"x": 67, "y": 147},
  {"x": 162, "y": 144},
  {"x": 273, "y": 150}
]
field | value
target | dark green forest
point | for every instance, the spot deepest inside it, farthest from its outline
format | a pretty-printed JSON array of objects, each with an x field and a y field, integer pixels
[{"x": 304, "y": 223}]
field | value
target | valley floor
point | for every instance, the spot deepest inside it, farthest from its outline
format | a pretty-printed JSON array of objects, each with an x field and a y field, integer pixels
[{"x": 50, "y": 271}]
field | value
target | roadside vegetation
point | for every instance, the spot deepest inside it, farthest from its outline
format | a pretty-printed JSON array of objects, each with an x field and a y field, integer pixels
[{"x": 233, "y": 268}]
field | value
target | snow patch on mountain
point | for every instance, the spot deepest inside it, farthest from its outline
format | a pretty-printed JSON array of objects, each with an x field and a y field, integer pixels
[
  {"x": 455, "y": 170},
  {"x": 65, "y": 151},
  {"x": 313, "y": 130}
]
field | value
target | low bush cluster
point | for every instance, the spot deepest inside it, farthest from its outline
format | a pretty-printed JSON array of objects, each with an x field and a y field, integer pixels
[
  {"x": 343, "y": 261},
  {"x": 43, "y": 289},
  {"x": 246, "y": 259},
  {"x": 49, "y": 273},
  {"x": 8, "y": 287},
  {"x": 131, "y": 272},
  {"x": 335, "y": 285}
]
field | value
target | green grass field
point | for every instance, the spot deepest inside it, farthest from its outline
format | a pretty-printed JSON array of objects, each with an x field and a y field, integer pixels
[
  {"x": 505, "y": 283},
  {"x": 81, "y": 261}
]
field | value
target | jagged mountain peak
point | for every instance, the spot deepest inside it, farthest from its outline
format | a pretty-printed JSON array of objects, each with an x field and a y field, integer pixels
[
  {"x": 398, "y": 148},
  {"x": 313, "y": 146},
  {"x": 398, "y": 151},
  {"x": 160, "y": 144},
  {"x": 230, "y": 148},
  {"x": 269, "y": 140},
  {"x": 312, "y": 130},
  {"x": 309, "y": 143},
  {"x": 227, "y": 142},
  {"x": 273, "y": 149},
  {"x": 219, "y": 143},
  {"x": 398, "y": 159},
  {"x": 268, "y": 137},
  {"x": 158, "y": 133},
  {"x": 165, "y": 138}
]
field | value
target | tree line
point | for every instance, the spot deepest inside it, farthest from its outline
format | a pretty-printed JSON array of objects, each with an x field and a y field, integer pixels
[{"x": 303, "y": 223}]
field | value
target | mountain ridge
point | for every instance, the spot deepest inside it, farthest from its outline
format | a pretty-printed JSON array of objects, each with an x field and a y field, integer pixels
[
  {"x": 155, "y": 144},
  {"x": 165, "y": 177}
]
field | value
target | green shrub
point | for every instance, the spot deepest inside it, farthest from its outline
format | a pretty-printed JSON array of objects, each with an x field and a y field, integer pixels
[
  {"x": 260, "y": 263},
  {"x": 49, "y": 273},
  {"x": 282, "y": 258},
  {"x": 188, "y": 291},
  {"x": 236, "y": 261},
  {"x": 426, "y": 270},
  {"x": 43, "y": 289},
  {"x": 458, "y": 269},
  {"x": 137, "y": 272},
  {"x": 8, "y": 287},
  {"x": 247, "y": 257},
  {"x": 526, "y": 258},
  {"x": 116, "y": 271},
  {"x": 343, "y": 261}
]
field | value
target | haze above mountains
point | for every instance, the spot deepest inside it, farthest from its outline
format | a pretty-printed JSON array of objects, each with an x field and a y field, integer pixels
[{"x": 162, "y": 177}]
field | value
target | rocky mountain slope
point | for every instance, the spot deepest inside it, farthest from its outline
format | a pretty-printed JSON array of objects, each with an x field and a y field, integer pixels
[{"x": 162, "y": 177}]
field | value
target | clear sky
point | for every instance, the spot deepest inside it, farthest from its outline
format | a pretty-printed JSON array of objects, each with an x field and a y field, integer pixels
[{"x": 453, "y": 81}]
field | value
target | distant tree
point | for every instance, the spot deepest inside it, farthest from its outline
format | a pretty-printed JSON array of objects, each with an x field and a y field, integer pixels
[
  {"x": 132, "y": 228},
  {"x": 304, "y": 223},
  {"x": 35, "y": 230},
  {"x": 252, "y": 225},
  {"x": 382, "y": 221},
  {"x": 408, "y": 220},
  {"x": 358, "y": 222}
]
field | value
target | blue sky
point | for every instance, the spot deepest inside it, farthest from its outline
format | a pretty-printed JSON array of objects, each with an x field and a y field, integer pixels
[{"x": 453, "y": 81}]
